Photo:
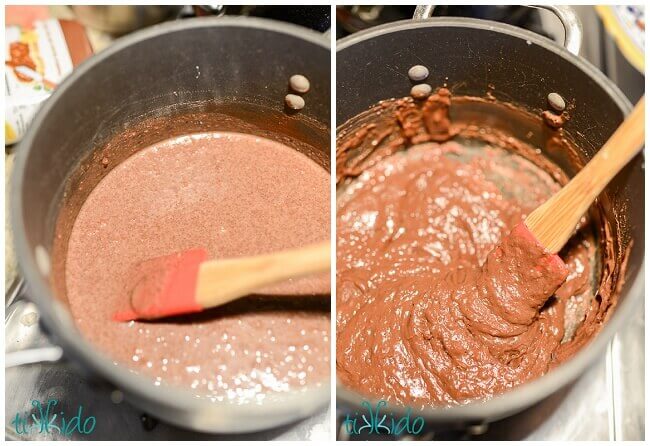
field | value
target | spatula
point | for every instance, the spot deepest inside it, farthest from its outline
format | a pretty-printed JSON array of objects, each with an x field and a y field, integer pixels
[
  {"x": 186, "y": 282},
  {"x": 556, "y": 220}
]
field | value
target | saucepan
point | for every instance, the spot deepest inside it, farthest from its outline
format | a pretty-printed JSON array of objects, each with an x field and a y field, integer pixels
[
  {"x": 473, "y": 57},
  {"x": 231, "y": 71}
]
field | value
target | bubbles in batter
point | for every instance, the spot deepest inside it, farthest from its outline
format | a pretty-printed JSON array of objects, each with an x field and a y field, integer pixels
[{"x": 234, "y": 195}]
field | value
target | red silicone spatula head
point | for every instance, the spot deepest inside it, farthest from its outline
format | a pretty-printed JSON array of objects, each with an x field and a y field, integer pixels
[
  {"x": 163, "y": 286},
  {"x": 548, "y": 262}
]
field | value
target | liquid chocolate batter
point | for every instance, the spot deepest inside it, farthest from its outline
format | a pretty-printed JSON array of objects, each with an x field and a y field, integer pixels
[
  {"x": 234, "y": 195},
  {"x": 436, "y": 303}
]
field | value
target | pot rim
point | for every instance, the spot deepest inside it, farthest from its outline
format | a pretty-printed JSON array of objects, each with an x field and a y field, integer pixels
[
  {"x": 532, "y": 392},
  {"x": 208, "y": 416}
]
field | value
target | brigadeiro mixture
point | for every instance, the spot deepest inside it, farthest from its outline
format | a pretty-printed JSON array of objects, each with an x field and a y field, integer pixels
[
  {"x": 443, "y": 297},
  {"x": 234, "y": 195}
]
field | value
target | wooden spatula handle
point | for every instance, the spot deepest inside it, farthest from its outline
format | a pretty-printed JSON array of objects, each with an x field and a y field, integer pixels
[
  {"x": 554, "y": 222},
  {"x": 220, "y": 281}
]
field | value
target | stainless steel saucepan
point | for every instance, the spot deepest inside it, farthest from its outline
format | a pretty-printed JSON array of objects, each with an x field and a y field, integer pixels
[
  {"x": 521, "y": 68},
  {"x": 238, "y": 67}
]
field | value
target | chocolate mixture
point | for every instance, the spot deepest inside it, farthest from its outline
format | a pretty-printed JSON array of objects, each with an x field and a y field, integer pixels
[
  {"x": 428, "y": 311},
  {"x": 234, "y": 195}
]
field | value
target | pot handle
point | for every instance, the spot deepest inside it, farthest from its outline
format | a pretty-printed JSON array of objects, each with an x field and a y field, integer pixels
[
  {"x": 27, "y": 315},
  {"x": 33, "y": 356},
  {"x": 566, "y": 14}
]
